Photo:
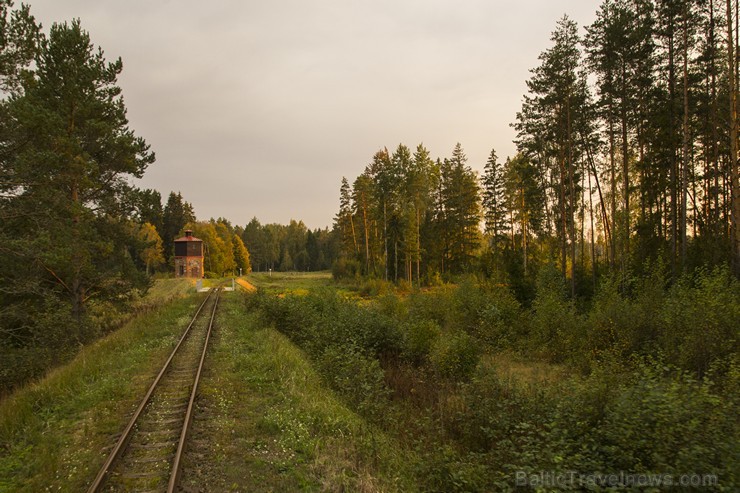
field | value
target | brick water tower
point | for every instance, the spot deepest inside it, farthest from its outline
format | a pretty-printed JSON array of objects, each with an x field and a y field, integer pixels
[{"x": 189, "y": 256}]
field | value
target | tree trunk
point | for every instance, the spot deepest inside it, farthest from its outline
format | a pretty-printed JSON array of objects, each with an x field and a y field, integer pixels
[
  {"x": 354, "y": 237},
  {"x": 367, "y": 234},
  {"x": 571, "y": 203},
  {"x": 674, "y": 160},
  {"x": 613, "y": 179},
  {"x": 418, "y": 245},
  {"x": 524, "y": 230},
  {"x": 735, "y": 238},
  {"x": 685, "y": 142},
  {"x": 625, "y": 166},
  {"x": 385, "y": 239},
  {"x": 608, "y": 235},
  {"x": 593, "y": 225}
]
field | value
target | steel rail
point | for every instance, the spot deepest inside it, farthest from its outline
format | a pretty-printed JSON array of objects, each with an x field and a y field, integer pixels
[
  {"x": 175, "y": 473},
  {"x": 127, "y": 432}
]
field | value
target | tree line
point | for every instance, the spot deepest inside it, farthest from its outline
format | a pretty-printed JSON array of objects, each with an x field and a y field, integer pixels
[
  {"x": 408, "y": 216},
  {"x": 224, "y": 251},
  {"x": 289, "y": 247},
  {"x": 230, "y": 249},
  {"x": 626, "y": 156}
]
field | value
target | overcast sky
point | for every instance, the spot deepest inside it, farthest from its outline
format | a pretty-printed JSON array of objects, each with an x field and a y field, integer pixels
[{"x": 258, "y": 108}]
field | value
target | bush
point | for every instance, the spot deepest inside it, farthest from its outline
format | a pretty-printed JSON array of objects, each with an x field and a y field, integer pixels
[
  {"x": 652, "y": 419},
  {"x": 419, "y": 337},
  {"x": 433, "y": 279},
  {"x": 455, "y": 355},
  {"x": 356, "y": 377},
  {"x": 468, "y": 301},
  {"x": 344, "y": 268},
  {"x": 669, "y": 424},
  {"x": 435, "y": 306},
  {"x": 558, "y": 331},
  {"x": 614, "y": 324},
  {"x": 700, "y": 320},
  {"x": 501, "y": 321},
  {"x": 375, "y": 287}
]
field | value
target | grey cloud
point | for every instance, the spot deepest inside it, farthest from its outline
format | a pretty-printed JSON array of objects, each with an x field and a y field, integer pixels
[{"x": 259, "y": 108}]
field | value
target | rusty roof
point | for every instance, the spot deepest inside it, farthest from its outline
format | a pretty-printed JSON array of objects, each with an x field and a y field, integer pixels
[{"x": 188, "y": 238}]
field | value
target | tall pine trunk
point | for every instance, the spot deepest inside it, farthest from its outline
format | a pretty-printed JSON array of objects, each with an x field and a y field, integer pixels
[
  {"x": 685, "y": 143},
  {"x": 625, "y": 165},
  {"x": 733, "y": 144},
  {"x": 613, "y": 180},
  {"x": 674, "y": 159}
]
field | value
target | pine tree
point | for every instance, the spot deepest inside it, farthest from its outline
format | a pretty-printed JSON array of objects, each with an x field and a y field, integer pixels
[
  {"x": 525, "y": 200},
  {"x": 19, "y": 45},
  {"x": 72, "y": 156},
  {"x": 620, "y": 47},
  {"x": 734, "y": 165},
  {"x": 384, "y": 179},
  {"x": 176, "y": 214},
  {"x": 558, "y": 110},
  {"x": 420, "y": 186},
  {"x": 254, "y": 241},
  {"x": 402, "y": 229},
  {"x": 345, "y": 219},
  {"x": 494, "y": 201},
  {"x": 462, "y": 214},
  {"x": 362, "y": 197},
  {"x": 148, "y": 205}
]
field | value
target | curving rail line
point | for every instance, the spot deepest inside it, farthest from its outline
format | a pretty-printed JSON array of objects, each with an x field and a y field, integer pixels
[{"x": 143, "y": 459}]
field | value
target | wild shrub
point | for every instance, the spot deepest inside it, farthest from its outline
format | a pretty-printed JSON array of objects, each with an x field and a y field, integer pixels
[
  {"x": 669, "y": 423},
  {"x": 375, "y": 287},
  {"x": 700, "y": 319},
  {"x": 651, "y": 419},
  {"x": 356, "y": 376},
  {"x": 557, "y": 330},
  {"x": 433, "y": 279},
  {"x": 405, "y": 286},
  {"x": 444, "y": 469},
  {"x": 468, "y": 301},
  {"x": 497, "y": 413},
  {"x": 501, "y": 321},
  {"x": 292, "y": 315},
  {"x": 391, "y": 306},
  {"x": 419, "y": 337},
  {"x": 434, "y": 305},
  {"x": 344, "y": 268},
  {"x": 368, "y": 330},
  {"x": 614, "y": 325},
  {"x": 455, "y": 355}
]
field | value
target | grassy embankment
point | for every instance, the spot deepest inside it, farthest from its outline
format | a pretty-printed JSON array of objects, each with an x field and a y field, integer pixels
[
  {"x": 272, "y": 425},
  {"x": 54, "y": 433},
  {"x": 25, "y": 362}
]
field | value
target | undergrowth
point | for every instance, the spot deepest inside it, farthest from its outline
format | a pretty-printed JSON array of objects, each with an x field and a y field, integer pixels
[{"x": 647, "y": 377}]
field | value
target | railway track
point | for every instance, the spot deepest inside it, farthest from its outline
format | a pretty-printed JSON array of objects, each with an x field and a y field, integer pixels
[{"x": 148, "y": 454}]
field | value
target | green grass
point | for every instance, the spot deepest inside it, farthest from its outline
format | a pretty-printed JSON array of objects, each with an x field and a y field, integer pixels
[
  {"x": 299, "y": 283},
  {"x": 54, "y": 433},
  {"x": 277, "y": 428},
  {"x": 164, "y": 290}
]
